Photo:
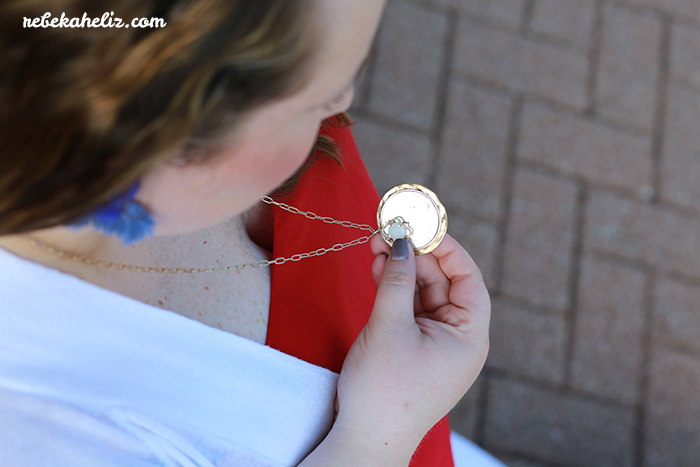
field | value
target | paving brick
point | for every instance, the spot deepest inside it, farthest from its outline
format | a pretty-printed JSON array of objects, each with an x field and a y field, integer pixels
[
  {"x": 527, "y": 343},
  {"x": 507, "y": 59},
  {"x": 684, "y": 9},
  {"x": 479, "y": 238},
  {"x": 685, "y": 54},
  {"x": 471, "y": 169},
  {"x": 409, "y": 56},
  {"x": 539, "y": 243},
  {"x": 552, "y": 427},
  {"x": 513, "y": 461},
  {"x": 590, "y": 149},
  {"x": 680, "y": 163},
  {"x": 392, "y": 155},
  {"x": 629, "y": 66},
  {"x": 676, "y": 318},
  {"x": 639, "y": 231},
  {"x": 567, "y": 20},
  {"x": 464, "y": 417},
  {"x": 530, "y": 420},
  {"x": 607, "y": 351},
  {"x": 362, "y": 88},
  {"x": 671, "y": 431},
  {"x": 506, "y": 12}
]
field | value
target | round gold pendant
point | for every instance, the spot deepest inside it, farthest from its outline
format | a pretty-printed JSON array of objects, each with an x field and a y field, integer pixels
[{"x": 413, "y": 212}]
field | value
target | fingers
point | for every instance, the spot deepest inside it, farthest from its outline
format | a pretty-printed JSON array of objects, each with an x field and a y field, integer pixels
[
  {"x": 448, "y": 275},
  {"x": 467, "y": 290},
  {"x": 377, "y": 272},
  {"x": 378, "y": 245},
  {"x": 433, "y": 285},
  {"x": 393, "y": 306}
]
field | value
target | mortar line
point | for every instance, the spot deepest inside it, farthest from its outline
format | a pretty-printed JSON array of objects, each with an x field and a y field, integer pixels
[
  {"x": 366, "y": 90},
  {"x": 643, "y": 383},
  {"x": 574, "y": 279},
  {"x": 551, "y": 387},
  {"x": 366, "y": 93},
  {"x": 526, "y": 18},
  {"x": 594, "y": 55},
  {"x": 622, "y": 192},
  {"x": 391, "y": 122},
  {"x": 523, "y": 456},
  {"x": 511, "y": 157},
  {"x": 443, "y": 85},
  {"x": 482, "y": 403},
  {"x": 658, "y": 133}
]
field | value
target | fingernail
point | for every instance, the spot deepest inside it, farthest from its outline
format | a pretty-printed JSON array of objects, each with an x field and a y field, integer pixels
[{"x": 399, "y": 251}]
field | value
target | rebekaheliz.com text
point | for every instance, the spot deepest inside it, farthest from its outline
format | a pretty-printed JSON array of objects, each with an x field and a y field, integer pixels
[{"x": 107, "y": 20}]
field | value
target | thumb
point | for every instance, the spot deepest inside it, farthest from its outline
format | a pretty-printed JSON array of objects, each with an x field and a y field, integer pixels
[{"x": 397, "y": 287}]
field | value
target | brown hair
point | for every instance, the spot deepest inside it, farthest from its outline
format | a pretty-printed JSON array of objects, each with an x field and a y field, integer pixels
[{"x": 86, "y": 112}]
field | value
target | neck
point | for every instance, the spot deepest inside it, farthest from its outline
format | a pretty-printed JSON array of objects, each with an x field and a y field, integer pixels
[{"x": 166, "y": 250}]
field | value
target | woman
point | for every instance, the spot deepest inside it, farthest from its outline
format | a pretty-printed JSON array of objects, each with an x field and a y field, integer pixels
[{"x": 108, "y": 134}]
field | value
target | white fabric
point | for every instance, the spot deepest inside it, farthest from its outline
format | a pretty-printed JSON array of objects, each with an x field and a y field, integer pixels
[
  {"x": 468, "y": 454},
  {"x": 90, "y": 377}
]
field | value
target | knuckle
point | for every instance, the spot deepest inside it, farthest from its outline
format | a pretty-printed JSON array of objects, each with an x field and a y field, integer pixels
[{"x": 397, "y": 279}]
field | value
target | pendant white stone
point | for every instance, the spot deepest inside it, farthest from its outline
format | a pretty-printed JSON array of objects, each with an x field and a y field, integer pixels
[{"x": 397, "y": 231}]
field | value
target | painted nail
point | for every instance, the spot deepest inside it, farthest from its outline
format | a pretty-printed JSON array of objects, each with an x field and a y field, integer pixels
[{"x": 399, "y": 251}]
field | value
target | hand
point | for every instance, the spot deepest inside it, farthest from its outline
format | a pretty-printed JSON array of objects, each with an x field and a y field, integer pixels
[{"x": 424, "y": 345}]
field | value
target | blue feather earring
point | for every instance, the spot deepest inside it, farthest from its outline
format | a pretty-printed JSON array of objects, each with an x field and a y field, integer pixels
[{"x": 123, "y": 216}]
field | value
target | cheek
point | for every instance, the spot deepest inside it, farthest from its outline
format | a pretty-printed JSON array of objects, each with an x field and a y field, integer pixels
[
  {"x": 271, "y": 159},
  {"x": 186, "y": 199}
]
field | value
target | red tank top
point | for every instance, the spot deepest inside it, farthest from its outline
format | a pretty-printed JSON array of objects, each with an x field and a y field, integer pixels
[{"x": 319, "y": 305}]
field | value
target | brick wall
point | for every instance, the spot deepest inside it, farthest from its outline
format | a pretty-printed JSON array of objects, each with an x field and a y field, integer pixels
[{"x": 564, "y": 138}]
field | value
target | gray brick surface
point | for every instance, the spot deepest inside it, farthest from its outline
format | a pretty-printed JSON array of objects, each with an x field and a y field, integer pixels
[
  {"x": 504, "y": 12},
  {"x": 685, "y": 54},
  {"x": 392, "y": 155},
  {"x": 590, "y": 149},
  {"x": 672, "y": 432},
  {"x": 643, "y": 232},
  {"x": 464, "y": 418},
  {"x": 688, "y": 10},
  {"x": 473, "y": 158},
  {"x": 680, "y": 163},
  {"x": 539, "y": 245},
  {"x": 513, "y": 461},
  {"x": 676, "y": 317},
  {"x": 543, "y": 424},
  {"x": 629, "y": 66},
  {"x": 563, "y": 179},
  {"x": 527, "y": 343},
  {"x": 479, "y": 238},
  {"x": 408, "y": 63},
  {"x": 507, "y": 59},
  {"x": 570, "y": 21},
  {"x": 607, "y": 353}
]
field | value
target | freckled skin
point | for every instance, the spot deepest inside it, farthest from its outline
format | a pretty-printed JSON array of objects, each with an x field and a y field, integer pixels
[
  {"x": 236, "y": 302},
  {"x": 198, "y": 204}
]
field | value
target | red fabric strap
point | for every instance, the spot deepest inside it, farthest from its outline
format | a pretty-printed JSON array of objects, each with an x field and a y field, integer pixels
[{"x": 319, "y": 305}]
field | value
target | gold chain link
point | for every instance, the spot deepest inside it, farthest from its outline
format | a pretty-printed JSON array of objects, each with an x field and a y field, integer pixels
[
  {"x": 238, "y": 267},
  {"x": 314, "y": 216}
]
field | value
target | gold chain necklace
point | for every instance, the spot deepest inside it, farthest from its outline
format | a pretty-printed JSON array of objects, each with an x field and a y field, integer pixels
[
  {"x": 414, "y": 202},
  {"x": 192, "y": 270}
]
